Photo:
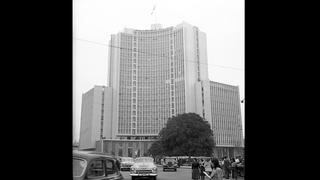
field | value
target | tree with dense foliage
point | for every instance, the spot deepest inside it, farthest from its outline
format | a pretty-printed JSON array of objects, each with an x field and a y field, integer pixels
[
  {"x": 184, "y": 135},
  {"x": 156, "y": 149}
]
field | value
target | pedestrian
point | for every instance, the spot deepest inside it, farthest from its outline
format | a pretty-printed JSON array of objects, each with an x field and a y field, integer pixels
[
  {"x": 195, "y": 169},
  {"x": 217, "y": 173},
  {"x": 221, "y": 162},
  {"x": 179, "y": 162},
  {"x": 240, "y": 167},
  {"x": 234, "y": 169},
  {"x": 226, "y": 167},
  {"x": 202, "y": 169},
  {"x": 208, "y": 166},
  {"x": 118, "y": 164}
]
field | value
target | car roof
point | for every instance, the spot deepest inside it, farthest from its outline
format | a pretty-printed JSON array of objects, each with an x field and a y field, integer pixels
[
  {"x": 88, "y": 155},
  {"x": 126, "y": 158},
  {"x": 144, "y": 157}
]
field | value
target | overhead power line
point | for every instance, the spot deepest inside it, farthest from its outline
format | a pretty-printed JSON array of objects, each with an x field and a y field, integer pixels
[{"x": 158, "y": 55}]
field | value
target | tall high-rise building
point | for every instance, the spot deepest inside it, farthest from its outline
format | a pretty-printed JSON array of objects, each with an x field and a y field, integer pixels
[{"x": 153, "y": 75}]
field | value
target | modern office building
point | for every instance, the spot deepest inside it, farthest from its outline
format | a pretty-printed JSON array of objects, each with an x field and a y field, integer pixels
[
  {"x": 219, "y": 104},
  {"x": 95, "y": 116},
  {"x": 226, "y": 119},
  {"x": 153, "y": 75}
]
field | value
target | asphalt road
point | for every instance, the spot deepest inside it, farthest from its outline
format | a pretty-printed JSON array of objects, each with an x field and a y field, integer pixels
[{"x": 181, "y": 174}]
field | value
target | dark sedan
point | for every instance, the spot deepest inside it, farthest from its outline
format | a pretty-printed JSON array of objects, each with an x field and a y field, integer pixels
[
  {"x": 94, "y": 166},
  {"x": 170, "y": 163}
]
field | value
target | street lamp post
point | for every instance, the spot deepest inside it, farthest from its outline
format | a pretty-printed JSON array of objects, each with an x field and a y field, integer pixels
[{"x": 101, "y": 144}]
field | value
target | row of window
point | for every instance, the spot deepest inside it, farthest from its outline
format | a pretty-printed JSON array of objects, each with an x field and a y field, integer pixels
[
  {"x": 166, "y": 44},
  {"x": 139, "y": 131},
  {"x": 226, "y": 123}
]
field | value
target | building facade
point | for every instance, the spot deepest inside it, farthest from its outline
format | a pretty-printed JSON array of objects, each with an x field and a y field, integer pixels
[
  {"x": 153, "y": 75},
  {"x": 226, "y": 119},
  {"x": 95, "y": 116}
]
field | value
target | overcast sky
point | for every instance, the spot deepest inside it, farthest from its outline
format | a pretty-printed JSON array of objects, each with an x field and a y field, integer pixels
[{"x": 95, "y": 20}]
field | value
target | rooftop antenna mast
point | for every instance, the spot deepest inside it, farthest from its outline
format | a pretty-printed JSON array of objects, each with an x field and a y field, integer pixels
[
  {"x": 154, "y": 12},
  {"x": 155, "y": 25}
]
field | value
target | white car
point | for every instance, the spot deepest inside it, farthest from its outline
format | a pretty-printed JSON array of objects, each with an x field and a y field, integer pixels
[{"x": 143, "y": 167}]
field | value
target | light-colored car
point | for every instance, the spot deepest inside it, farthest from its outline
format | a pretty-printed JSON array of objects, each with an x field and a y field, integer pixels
[
  {"x": 143, "y": 167},
  {"x": 126, "y": 163}
]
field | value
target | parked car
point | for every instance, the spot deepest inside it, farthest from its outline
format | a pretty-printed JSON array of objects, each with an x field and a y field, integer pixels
[
  {"x": 126, "y": 163},
  {"x": 170, "y": 163},
  {"x": 143, "y": 167},
  {"x": 94, "y": 166}
]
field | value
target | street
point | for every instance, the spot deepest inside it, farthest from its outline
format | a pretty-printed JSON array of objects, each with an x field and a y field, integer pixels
[{"x": 181, "y": 174}]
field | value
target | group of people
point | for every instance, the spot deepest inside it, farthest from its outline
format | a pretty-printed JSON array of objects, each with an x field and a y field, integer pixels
[{"x": 214, "y": 169}]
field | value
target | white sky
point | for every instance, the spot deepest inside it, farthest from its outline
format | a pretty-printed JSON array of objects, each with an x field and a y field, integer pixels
[{"x": 96, "y": 20}]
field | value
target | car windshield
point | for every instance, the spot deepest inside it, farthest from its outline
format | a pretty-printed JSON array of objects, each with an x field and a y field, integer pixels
[
  {"x": 169, "y": 159},
  {"x": 144, "y": 159},
  {"x": 79, "y": 166},
  {"x": 126, "y": 159}
]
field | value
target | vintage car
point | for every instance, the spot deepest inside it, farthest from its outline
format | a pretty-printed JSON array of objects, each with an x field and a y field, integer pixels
[
  {"x": 170, "y": 163},
  {"x": 143, "y": 167},
  {"x": 126, "y": 163},
  {"x": 94, "y": 166}
]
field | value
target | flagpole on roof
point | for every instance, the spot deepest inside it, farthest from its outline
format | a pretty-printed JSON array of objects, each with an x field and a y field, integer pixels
[{"x": 153, "y": 12}]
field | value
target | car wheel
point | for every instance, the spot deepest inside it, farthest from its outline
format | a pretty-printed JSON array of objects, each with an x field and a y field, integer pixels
[
  {"x": 133, "y": 178},
  {"x": 175, "y": 169},
  {"x": 155, "y": 178}
]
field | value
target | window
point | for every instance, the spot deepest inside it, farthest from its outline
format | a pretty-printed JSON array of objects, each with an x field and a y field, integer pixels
[
  {"x": 119, "y": 154},
  {"x": 96, "y": 169},
  {"x": 110, "y": 166},
  {"x": 79, "y": 166}
]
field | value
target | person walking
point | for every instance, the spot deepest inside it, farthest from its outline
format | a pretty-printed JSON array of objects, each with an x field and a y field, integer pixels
[
  {"x": 195, "y": 169},
  {"x": 234, "y": 169},
  {"x": 226, "y": 167},
  {"x": 208, "y": 166},
  {"x": 202, "y": 169},
  {"x": 118, "y": 164},
  {"x": 217, "y": 172}
]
